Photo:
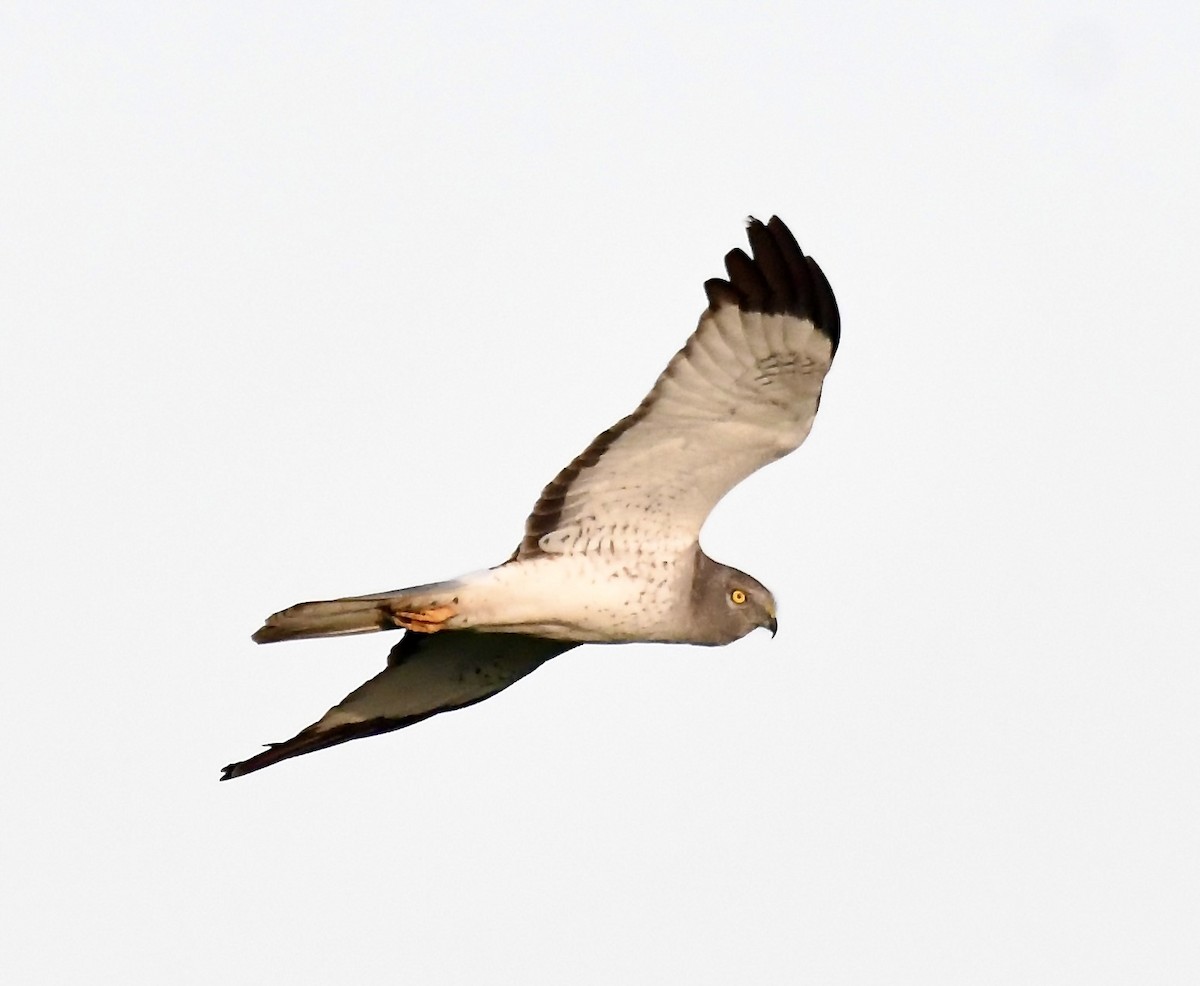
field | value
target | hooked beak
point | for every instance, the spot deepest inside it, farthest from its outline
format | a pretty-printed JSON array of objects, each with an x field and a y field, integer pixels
[{"x": 771, "y": 624}]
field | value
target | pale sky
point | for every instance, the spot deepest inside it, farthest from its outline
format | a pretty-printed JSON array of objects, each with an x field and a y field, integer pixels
[{"x": 303, "y": 300}]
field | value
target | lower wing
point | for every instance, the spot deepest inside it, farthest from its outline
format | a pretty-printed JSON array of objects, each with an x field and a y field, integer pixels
[{"x": 426, "y": 674}]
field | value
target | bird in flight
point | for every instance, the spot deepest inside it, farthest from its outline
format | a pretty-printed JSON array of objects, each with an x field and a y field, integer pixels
[{"x": 611, "y": 552}]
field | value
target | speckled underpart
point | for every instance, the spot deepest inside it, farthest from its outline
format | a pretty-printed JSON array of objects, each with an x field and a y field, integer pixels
[{"x": 598, "y": 596}]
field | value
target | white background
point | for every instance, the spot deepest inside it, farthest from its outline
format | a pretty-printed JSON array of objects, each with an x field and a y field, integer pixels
[{"x": 303, "y": 300}]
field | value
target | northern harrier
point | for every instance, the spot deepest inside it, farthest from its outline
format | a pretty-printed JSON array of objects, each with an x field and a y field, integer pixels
[{"x": 611, "y": 552}]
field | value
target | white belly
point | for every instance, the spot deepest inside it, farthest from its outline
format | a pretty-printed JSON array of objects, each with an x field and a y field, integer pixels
[{"x": 591, "y": 598}]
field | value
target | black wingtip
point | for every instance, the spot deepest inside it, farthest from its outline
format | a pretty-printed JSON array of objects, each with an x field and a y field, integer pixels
[
  {"x": 256, "y": 762},
  {"x": 306, "y": 741},
  {"x": 313, "y": 738},
  {"x": 778, "y": 279}
]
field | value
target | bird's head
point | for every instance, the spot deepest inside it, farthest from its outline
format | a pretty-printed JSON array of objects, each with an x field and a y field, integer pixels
[
  {"x": 737, "y": 602},
  {"x": 752, "y": 603}
]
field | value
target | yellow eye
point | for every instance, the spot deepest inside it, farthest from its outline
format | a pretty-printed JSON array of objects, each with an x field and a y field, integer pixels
[{"x": 738, "y": 597}]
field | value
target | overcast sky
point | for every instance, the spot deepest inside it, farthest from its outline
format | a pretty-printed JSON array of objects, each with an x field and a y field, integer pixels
[{"x": 303, "y": 300}]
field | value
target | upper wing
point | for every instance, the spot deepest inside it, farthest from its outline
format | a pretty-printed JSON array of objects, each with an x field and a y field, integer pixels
[
  {"x": 741, "y": 393},
  {"x": 426, "y": 674}
]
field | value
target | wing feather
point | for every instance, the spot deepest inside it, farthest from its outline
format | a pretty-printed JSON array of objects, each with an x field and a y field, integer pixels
[
  {"x": 742, "y": 392},
  {"x": 426, "y": 675}
]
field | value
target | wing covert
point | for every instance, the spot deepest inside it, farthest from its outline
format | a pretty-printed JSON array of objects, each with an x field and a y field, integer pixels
[{"x": 742, "y": 392}]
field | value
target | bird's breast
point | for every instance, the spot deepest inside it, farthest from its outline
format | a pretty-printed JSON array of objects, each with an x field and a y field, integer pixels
[{"x": 593, "y": 597}]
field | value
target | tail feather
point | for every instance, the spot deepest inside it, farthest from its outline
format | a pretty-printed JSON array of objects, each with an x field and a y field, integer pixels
[
  {"x": 350, "y": 615},
  {"x": 329, "y": 618}
]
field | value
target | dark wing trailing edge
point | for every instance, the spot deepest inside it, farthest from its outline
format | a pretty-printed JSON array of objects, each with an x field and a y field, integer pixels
[
  {"x": 427, "y": 674},
  {"x": 315, "y": 738}
]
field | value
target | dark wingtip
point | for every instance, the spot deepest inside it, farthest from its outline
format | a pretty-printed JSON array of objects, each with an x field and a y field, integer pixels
[
  {"x": 829, "y": 319},
  {"x": 779, "y": 279},
  {"x": 720, "y": 293},
  {"x": 313, "y": 738},
  {"x": 256, "y": 762},
  {"x": 306, "y": 741}
]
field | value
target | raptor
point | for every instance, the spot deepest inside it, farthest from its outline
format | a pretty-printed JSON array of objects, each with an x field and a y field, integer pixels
[{"x": 611, "y": 551}]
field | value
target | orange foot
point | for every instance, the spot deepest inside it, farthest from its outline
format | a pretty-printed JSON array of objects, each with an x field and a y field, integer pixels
[{"x": 424, "y": 620}]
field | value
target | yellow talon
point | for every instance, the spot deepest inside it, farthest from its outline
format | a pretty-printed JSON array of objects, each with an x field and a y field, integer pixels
[{"x": 425, "y": 620}]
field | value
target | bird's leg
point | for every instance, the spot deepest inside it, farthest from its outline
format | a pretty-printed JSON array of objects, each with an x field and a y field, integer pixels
[{"x": 428, "y": 620}]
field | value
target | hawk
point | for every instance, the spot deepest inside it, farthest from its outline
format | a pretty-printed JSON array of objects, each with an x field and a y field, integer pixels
[{"x": 611, "y": 552}]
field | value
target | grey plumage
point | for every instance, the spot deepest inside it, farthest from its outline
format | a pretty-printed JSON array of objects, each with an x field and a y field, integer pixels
[
  {"x": 353, "y": 614},
  {"x": 716, "y": 618},
  {"x": 610, "y": 551}
]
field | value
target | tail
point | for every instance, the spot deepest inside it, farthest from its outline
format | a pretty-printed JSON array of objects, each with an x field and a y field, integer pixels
[{"x": 357, "y": 614}]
